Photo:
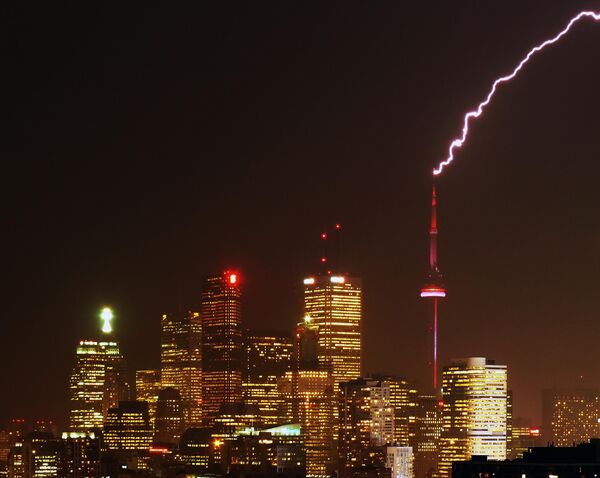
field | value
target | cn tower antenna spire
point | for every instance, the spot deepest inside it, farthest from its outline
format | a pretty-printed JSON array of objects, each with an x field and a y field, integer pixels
[
  {"x": 434, "y": 289},
  {"x": 433, "y": 231}
]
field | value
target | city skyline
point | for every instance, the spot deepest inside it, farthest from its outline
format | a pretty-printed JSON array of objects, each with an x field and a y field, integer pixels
[{"x": 121, "y": 212}]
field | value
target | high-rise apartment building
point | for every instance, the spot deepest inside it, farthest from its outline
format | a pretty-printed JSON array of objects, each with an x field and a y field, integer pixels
[
  {"x": 181, "y": 361},
  {"x": 474, "y": 413},
  {"x": 221, "y": 342},
  {"x": 404, "y": 399},
  {"x": 127, "y": 427},
  {"x": 98, "y": 382},
  {"x": 147, "y": 387},
  {"x": 266, "y": 359},
  {"x": 400, "y": 461},
  {"x": 333, "y": 304},
  {"x": 570, "y": 416},
  {"x": 366, "y": 419}
]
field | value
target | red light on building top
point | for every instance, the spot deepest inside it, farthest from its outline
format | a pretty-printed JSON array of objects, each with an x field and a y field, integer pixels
[
  {"x": 324, "y": 236},
  {"x": 323, "y": 259},
  {"x": 338, "y": 226},
  {"x": 231, "y": 277}
]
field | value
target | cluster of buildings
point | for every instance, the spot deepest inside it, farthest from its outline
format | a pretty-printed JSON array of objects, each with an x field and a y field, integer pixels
[{"x": 228, "y": 401}]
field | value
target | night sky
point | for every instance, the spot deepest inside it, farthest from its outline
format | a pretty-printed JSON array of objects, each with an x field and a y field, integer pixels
[{"x": 150, "y": 145}]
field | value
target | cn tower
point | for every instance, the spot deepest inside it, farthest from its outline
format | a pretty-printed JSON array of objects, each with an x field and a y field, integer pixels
[{"x": 433, "y": 289}]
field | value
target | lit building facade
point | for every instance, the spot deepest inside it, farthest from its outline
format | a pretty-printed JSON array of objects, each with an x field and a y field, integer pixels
[
  {"x": 366, "y": 419},
  {"x": 221, "y": 343},
  {"x": 127, "y": 427},
  {"x": 309, "y": 394},
  {"x": 475, "y": 402},
  {"x": 267, "y": 357},
  {"x": 570, "y": 416},
  {"x": 404, "y": 400},
  {"x": 426, "y": 441},
  {"x": 181, "y": 361},
  {"x": 147, "y": 387},
  {"x": 334, "y": 305},
  {"x": 98, "y": 382}
]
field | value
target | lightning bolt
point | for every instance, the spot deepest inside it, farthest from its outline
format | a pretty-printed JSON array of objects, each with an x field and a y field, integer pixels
[{"x": 459, "y": 141}]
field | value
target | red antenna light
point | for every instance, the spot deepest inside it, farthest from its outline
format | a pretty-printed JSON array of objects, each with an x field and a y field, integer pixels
[
  {"x": 324, "y": 236},
  {"x": 323, "y": 259},
  {"x": 338, "y": 226}
]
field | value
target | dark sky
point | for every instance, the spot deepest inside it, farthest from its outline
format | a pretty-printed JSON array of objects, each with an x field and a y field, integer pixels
[{"x": 149, "y": 145}]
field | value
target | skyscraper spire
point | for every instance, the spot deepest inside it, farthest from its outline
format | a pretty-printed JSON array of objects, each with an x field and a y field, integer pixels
[
  {"x": 434, "y": 288},
  {"x": 433, "y": 232}
]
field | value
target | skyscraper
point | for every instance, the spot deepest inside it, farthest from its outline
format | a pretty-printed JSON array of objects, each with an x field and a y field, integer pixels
[
  {"x": 426, "y": 440},
  {"x": 181, "y": 361},
  {"x": 147, "y": 387},
  {"x": 474, "y": 413},
  {"x": 333, "y": 304},
  {"x": 366, "y": 420},
  {"x": 432, "y": 291},
  {"x": 168, "y": 422},
  {"x": 221, "y": 342},
  {"x": 267, "y": 357},
  {"x": 309, "y": 393},
  {"x": 570, "y": 416},
  {"x": 97, "y": 383}
]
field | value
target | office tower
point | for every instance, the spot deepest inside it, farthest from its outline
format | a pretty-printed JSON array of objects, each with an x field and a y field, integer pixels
[
  {"x": 524, "y": 436},
  {"x": 221, "y": 343},
  {"x": 366, "y": 420},
  {"x": 333, "y": 304},
  {"x": 127, "y": 427},
  {"x": 147, "y": 387},
  {"x": 427, "y": 435},
  {"x": 474, "y": 412},
  {"x": 432, "y": 291},
  {"x": 570, "y": 416},
  {"x": 400, "y": 461},
  {"x": 97, "y": 383},
  {"x": 181, "y": 361},
  {"x": 267, "y": 357},
  {"x": 309, "y": 394},
  {"x": 168, "y": 423},
  {"x": 79, "y": 455}
]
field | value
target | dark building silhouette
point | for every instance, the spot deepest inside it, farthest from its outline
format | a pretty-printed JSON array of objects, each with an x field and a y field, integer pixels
[
  {"x": 168, "y": 424},
  {"x": 580, "y": 461}
]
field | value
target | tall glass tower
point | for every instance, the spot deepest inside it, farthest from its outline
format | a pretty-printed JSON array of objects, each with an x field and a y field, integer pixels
[{"x": 221, "y": 343}]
